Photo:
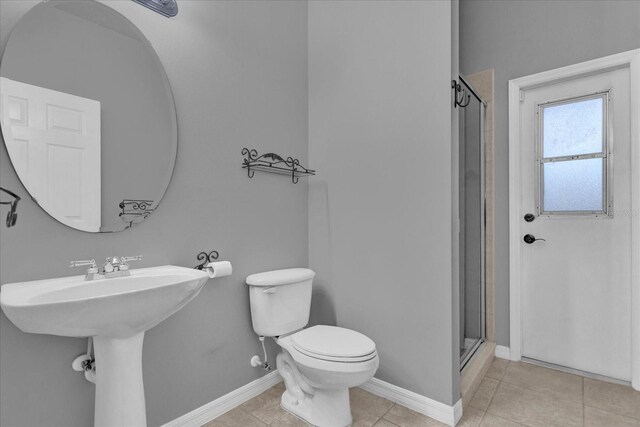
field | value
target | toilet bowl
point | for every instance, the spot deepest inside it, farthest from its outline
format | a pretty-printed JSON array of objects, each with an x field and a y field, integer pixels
[
  {"x": 318, "y": 376},
  {"x": 320, "y": 363}
]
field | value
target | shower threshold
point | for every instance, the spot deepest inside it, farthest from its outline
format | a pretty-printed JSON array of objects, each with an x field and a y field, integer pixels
[{"x": 468, "y": 352}]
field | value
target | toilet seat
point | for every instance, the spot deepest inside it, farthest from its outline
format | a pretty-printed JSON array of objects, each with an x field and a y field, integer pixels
[
  {"x": 328, "y": 364},
  {"x": 335, "y": 344}
]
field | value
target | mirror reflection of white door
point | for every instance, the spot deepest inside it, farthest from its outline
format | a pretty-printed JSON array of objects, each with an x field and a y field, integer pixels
[
  {"x": 575, "y": 160},
  {"x": 53, "y": 139}
]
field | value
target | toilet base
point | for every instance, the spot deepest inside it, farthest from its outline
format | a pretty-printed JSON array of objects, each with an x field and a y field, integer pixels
[
  {"x": 325, "y": 408},
  {"x": 317, "y": 390}
]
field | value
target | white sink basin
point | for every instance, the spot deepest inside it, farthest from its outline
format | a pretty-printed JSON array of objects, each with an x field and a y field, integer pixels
[
  {"x": 115, "y": 312},
  {"x": 119, "y": 307}
]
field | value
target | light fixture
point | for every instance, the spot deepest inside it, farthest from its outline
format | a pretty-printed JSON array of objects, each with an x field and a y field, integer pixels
[{"x": 167, "y": 8}]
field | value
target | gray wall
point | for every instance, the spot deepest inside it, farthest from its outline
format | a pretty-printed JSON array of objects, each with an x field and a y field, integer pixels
[
  {"x": 518, "y": 38},
  {"x": 380, "y": 229},
  {"x": 239, "y": 76}
]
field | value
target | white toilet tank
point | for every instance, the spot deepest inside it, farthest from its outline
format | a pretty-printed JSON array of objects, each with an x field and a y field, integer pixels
[{"x": 280, "y": 300}]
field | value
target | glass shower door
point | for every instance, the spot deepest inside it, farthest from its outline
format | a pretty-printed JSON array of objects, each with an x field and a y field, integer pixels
[{"x": 472, "y": 224}]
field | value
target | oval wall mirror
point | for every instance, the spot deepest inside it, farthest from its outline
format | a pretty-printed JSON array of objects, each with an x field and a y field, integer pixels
[{"x": 87, "y": 115}]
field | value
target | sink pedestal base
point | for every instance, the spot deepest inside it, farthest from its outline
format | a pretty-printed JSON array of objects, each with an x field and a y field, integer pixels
[{"x": 119, "y": 387}]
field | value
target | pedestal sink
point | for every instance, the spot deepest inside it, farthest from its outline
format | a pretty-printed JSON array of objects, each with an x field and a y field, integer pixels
[{"x": 115, "y": 312}]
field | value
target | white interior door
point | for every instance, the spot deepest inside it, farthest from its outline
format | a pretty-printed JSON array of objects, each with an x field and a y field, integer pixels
[
  {"x": 576, "y": 181},
  {"x": 53, "y": 139}
]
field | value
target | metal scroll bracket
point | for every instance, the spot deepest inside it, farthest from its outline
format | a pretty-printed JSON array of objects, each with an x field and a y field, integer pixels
[
  {"x": 12, "y": 215},
  {"x": 206, "y": 258},
  {"x": 459, "y": 101}
]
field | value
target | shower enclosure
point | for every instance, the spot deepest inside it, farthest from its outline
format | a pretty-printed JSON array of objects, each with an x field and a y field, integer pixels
[{"x": 472, "y": 113}]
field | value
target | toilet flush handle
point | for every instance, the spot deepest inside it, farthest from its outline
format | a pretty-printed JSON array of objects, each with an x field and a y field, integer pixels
[{"x": 271, "y": 290}]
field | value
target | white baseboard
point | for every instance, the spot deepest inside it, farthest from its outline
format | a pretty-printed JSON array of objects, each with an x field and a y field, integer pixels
[
  {"x": 214, "y": 409},
  {"x": 449, "y": 415},
  {"x": 503, "y": 352}
]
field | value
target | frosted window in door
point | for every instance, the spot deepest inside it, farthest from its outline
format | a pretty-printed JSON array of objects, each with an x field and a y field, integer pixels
[
  {"x": 572, "y": 160},
  {"x": 573, "y": 128},
  {"x": 574, "y": 185}
]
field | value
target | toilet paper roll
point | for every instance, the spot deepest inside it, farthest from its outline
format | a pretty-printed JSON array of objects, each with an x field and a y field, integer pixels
[{"x": 219, "y": 269}]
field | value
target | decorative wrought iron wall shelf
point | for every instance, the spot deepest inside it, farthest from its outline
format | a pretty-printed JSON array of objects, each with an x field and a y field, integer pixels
[
  {"x": 134, "y": 211},
  {"x": 135, "y": 207},
  {"x": 273, "y": 163}
]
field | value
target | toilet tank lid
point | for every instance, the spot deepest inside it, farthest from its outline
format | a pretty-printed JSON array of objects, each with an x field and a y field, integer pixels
[{"x": 280, "y": 277}]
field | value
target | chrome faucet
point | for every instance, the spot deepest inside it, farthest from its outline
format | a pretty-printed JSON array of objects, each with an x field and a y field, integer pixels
[
  {"x": 111, "y": 264},
  {"x": 113, "y": 267}
]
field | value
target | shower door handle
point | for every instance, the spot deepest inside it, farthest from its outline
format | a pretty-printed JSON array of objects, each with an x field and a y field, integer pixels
[{"x": 530, "y": 238}]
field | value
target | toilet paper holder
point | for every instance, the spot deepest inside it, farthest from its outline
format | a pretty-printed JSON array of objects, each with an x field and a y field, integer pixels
[
  {"x": 206, "y": 258},
  {"x": 213, "y": 267}
]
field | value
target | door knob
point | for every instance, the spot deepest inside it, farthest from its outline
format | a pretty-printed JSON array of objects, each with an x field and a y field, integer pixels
[{"x": 530, "y": 238}]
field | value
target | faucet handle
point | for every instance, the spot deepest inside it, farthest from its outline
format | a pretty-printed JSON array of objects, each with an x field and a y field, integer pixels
[
  {"x": 125, "y": 259},
  {"x": 81, "y": 263},
  {"x": 93, "y": 269}
]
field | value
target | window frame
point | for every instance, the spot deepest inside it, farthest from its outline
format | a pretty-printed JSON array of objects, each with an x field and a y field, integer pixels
[{"x": 605, "y": 155}]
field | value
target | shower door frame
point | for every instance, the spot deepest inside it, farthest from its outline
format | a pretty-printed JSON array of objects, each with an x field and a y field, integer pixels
[{"x": 468, "y": 354}]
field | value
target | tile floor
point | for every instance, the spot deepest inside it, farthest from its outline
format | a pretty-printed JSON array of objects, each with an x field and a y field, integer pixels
[{"x": 511, "y": 394}]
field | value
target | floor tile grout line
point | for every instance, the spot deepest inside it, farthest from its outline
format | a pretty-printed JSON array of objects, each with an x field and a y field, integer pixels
[
  {"x": 389, "y": 410},
  {"x": 484, "y": 414},
  {"x": 500, "y": 382},
  {"x": 261, "y": 421},
  {"x": 384, "y": 419},
  {"x": 527, "y": 387},
  {"x": 631, "y": 417},
  {"x": 276, "y": 420},
  {"x": 377, "y": 420},
  {"x": 503, "y": 417},
  {"x": 541, "y": 392},
  {"x": 536, "y": 390},
  {"x": 492, "y": 396},
  {"x": 506, "y": 419}
]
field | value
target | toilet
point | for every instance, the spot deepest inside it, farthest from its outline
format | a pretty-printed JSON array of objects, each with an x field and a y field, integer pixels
[{"x": 319, "y": 364}]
